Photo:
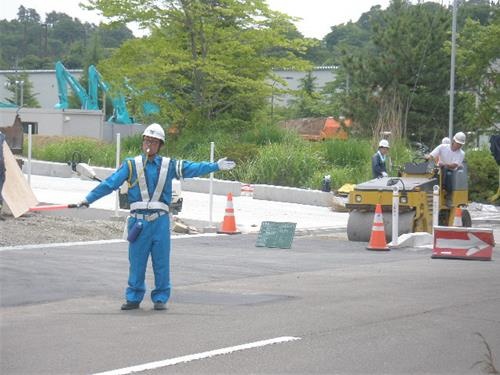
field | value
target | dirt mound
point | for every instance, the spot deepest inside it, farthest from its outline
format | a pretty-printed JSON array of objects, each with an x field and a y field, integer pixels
[{"x": 36, "y": 228}]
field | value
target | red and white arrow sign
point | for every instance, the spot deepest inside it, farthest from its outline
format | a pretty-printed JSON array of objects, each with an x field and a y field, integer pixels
[
  {"x": 473, "y": 242},
  {"x": 463, "y": 243}
]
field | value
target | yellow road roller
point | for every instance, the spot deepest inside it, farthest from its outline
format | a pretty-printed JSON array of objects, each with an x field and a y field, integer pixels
[{"x": 415, "y": 183}]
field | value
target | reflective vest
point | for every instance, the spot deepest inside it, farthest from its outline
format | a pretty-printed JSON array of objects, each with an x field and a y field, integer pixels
[{"x": 150, "y": 203}]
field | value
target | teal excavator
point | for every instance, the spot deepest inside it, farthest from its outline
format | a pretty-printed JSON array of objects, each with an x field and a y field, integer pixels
[{"x": 90, "y": 99}]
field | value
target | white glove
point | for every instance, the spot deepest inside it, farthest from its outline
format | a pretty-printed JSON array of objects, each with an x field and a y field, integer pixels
[
  {"x": 82, "y": 203},
  {"x": 384, "y": 174},
  {"x": 225, "y": 165}
]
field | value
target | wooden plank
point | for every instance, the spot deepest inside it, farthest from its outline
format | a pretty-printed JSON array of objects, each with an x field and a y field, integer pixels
[{"x": 16, "y": 192}]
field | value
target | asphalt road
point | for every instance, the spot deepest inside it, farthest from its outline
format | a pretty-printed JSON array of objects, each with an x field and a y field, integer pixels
[{"x": 349, "y": 310}]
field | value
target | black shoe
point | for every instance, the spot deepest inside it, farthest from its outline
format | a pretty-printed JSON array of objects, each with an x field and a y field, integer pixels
[
  {"x": 130, "y": 305},
  {"x": 160, "y": 306}
]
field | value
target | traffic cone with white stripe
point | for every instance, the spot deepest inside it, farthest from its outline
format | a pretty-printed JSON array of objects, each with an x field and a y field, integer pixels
[
  {"x": 229, "y": 224},
  {"x": 377, "y": 237},
  {"x": 457, "y": 220}
]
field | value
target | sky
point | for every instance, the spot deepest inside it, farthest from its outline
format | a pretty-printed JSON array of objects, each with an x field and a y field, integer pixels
[{"x": 317, "y": 15}]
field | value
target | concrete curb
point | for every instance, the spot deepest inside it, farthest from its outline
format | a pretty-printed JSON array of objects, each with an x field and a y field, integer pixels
[{"x": 201, "y": 185}]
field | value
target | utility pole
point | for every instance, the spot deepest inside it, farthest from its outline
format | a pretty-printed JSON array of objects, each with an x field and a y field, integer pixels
[
  {"x": 452, "y": 68},
  {"x": 20, "y": 102},
  {"x": 45, "y": 35},
  {"x": 272, "y": 102}
]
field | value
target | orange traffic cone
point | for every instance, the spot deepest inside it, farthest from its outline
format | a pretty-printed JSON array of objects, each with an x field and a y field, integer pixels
[
  {"x": 377, "y": 237},
  {"x": 229, "y": 224},
  {"x": 457, "y": 221}
]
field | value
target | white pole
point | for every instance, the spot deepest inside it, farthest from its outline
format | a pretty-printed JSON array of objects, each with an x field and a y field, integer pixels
[
  {"x": 22, "y": 93},
  {"x": 30, "y": 132},
  {"x": 117, "y": 196},
  {"x": 452, "y": 68},
  {"x": 211, "y": 196},
  {"x": 435, "y": 207},
  {"x": 395, "y": 215}
]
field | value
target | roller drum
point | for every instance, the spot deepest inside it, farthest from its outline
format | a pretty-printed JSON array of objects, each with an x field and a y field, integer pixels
[{"x": 360, "y": 223}]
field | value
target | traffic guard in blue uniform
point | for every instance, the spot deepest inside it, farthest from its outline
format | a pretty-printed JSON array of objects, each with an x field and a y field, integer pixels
[{"x": 150, "y": 193}]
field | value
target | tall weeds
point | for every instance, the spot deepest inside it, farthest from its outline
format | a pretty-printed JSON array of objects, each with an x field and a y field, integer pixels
[{"x": 267, "y": 155}]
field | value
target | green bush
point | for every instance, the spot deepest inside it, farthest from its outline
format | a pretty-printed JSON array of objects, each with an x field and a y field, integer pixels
[
  {"x": 340, "y": 176},
  {"x": 132, "y": 145},
  {"x": 88, "y": 150},
  {"x": 62, "y": 149},
  {"x": 285, "y": 164},
  {"x": 195, "y": 145},
  {"x": 400, "y": 154},
  {"x": 347, "y": 153},
  {"x": 264, "y": 134},
  {"x": 352, "y": 159},
  {"x": 483, "y": 175}
]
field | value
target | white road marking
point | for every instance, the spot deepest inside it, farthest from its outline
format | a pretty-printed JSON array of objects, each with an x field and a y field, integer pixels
[
  {"x": 100, "y": 242},
  {"x": 193, "y": 357},
  {"x": 61, "y": 244}
]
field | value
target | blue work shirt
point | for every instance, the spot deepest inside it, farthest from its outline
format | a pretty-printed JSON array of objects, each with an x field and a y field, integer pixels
[
  {"x": 151, "y": 172},
  {"x": 378, "y": 164}
]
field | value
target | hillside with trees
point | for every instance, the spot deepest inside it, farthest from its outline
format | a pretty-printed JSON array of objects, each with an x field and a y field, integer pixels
[{"x": 30, "y": 42}]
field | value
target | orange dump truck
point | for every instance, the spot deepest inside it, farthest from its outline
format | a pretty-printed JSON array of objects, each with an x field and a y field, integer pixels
[{"x": 319, "y": 128}]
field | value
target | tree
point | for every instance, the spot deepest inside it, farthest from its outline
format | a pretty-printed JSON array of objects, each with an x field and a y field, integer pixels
[
  {"x": 27, "y": 15},
  {"x": 114, "y": 36},
  {"x": 212, "y": 57},
  {"x": 352, "y": 37},
  {"x": 476, "y": 10},
  {"x": 400, "y": 84},
  {"x": 478, "y": 71}
]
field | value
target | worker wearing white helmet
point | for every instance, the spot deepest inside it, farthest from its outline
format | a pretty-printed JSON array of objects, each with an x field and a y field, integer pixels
[
  {"x": 450, "y": 158},
  {"x": 149, "y": 178},
  {"x": 445, "y": 141},
  {"x": 379, "y": 159},
  {"x": 154, "y": 131}
]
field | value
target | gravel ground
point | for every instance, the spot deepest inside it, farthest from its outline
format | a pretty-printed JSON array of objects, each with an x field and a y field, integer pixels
[
  {"x": 37, "y": 228},
  {"x": 74, "y": 225}
]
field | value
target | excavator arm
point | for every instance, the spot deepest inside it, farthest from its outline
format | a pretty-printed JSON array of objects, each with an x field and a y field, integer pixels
[
  {"x": 90, "y": 100},
  {"x": 120, "y": 113},
  {"x": 95, "y": 82},
  {"x": 64, "y": 78}
]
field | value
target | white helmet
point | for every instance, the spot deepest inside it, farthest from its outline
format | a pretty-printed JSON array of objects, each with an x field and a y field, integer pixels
[
  {"x": 445, "y": 141},
  {"x": 155, "y": 131},
  {"x": 384, "y": 143},
  {"x": 459, "y": 138}
]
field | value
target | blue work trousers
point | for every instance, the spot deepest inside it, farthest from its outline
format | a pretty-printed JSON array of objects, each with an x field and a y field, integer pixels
[{"x": 155, "y": 239}]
